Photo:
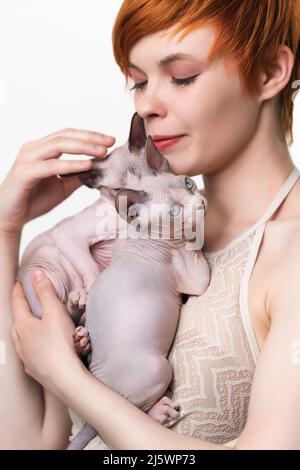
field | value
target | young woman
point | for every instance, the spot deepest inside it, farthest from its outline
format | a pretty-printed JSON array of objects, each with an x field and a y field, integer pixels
[{"x": 226, "y": 89}]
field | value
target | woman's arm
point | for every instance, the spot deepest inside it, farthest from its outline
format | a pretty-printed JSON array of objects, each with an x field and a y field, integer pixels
[
  {"x": 274, "y": 410},
  {"x": 120, "y": 424},
  {"x": 29, "y": 419}
]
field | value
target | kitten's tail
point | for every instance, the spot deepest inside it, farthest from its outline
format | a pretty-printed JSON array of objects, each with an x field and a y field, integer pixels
[{"x": 84, "y": 436}]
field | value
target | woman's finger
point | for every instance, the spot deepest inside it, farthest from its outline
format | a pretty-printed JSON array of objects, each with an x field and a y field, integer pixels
[
  {"x": 30, "y": 175},
  {"x": 81, "y": 134},
  {"x": 54, "y": 148},
  {"x": 45, "y": 292},
  {"x": 20, "y": 305}
]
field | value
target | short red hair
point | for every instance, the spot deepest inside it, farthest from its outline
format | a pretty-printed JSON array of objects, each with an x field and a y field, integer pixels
[{"x": 249, "y": 31}]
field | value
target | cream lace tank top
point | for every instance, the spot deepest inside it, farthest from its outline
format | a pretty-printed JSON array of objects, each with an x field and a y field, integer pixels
[{"x": 214, "y": 353}]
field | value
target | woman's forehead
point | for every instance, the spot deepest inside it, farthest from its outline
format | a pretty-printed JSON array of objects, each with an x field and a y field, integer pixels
[{"x": 160, "y": 46}]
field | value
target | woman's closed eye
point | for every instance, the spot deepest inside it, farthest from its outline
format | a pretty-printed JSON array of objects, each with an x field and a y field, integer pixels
[{"x": 177, "y": 81}]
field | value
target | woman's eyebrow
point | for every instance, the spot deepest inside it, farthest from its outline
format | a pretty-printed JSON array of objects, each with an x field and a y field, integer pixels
[{"x": 163, "y": 63}]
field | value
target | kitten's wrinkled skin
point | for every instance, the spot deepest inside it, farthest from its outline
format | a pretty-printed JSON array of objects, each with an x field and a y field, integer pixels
[{"x": 133, "y": 307}]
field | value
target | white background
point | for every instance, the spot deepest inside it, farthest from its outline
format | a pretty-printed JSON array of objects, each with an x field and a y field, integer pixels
[{"x": 57, "y": 70}]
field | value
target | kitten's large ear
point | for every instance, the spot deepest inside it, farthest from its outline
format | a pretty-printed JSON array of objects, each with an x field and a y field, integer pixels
[
  {"x": 126, "y": 198},
  {"x": 137, "y": 134},
  {"x": 155, "y": 159}
]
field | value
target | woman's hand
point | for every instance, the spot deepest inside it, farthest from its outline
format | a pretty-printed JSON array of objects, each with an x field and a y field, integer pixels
[
  {"x": 44, "y": 345},
  {"x": 32, "y": 188}
]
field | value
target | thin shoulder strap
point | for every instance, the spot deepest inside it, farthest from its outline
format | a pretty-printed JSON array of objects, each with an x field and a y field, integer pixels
[
  {"x": 254, "y": 250},
  {"x": 244, "y": 287},
  {"x": 280, "y": 197}
]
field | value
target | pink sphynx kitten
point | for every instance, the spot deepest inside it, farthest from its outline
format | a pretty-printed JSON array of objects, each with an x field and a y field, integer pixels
[{"x": 130, "y": 281}]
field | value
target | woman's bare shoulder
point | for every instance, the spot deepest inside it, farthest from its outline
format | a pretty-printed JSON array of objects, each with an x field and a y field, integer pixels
[
  {"x": 280, "y": 232},
  {"x": 277, "y": 242},
  {"x": 281, "y": 243},
  {"x": 289, "y": 223}
]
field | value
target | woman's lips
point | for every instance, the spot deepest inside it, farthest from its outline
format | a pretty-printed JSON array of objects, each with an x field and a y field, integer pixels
[{"x": 163, "y": 144}]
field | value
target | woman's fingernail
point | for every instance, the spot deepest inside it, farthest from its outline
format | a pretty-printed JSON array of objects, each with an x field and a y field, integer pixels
[{"x": 38, "y": 275}]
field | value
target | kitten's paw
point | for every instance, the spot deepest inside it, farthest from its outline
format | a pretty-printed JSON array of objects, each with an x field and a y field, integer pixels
[
  {"x": 164, "y": 411},
  {"x": 81, "y": 340},
  {"x": 77, "y": 300}
]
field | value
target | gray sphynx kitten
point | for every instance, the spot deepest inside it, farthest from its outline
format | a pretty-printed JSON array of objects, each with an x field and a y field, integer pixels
[{"x": 131, "y": 285}]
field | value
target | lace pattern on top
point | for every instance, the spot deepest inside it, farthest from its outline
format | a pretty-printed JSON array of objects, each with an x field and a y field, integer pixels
[{"x": 211, "y": 359}]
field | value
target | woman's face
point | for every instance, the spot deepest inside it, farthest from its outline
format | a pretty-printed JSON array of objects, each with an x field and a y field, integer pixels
[{"x": 215, "y": 116}]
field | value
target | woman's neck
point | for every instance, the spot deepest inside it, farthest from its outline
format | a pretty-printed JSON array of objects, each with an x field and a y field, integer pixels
[{"x": 240, "y": 193}]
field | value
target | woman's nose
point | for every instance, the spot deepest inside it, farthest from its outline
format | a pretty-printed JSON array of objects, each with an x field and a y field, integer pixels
[{"x": 151, "y": 103}]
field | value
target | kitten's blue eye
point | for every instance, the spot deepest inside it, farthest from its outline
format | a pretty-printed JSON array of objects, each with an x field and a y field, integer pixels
[
  {"x": 189, "y": 183},
  {"x": 175, "y": 209}
]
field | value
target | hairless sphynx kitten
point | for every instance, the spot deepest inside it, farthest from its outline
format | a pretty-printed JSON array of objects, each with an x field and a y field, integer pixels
[{"x": 126, "y": 259}]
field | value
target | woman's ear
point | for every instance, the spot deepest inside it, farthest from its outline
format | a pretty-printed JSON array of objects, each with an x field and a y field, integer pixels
[{"x": 276, "y": 76}]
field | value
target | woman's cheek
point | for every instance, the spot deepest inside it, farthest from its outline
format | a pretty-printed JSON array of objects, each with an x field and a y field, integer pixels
[{"x": 230, "y": 115}]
